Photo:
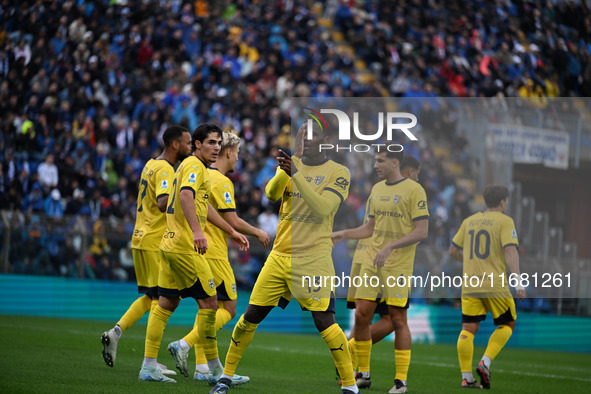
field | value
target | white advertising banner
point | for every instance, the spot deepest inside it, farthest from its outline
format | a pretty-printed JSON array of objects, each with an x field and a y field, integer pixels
[{"x": 529, "y": 145}]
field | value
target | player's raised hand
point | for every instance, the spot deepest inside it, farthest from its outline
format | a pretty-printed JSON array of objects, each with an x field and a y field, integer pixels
[
  {"x": 263, "y": 238},
  {"x": 299, "y": 142},
  {"x": 381, "y": 256},
  {"x": 241, "y": 240},
  {"x": 285, "y": 163},
  {"x": 199, "y": 242},
  {"x": 337, "y": 237}
]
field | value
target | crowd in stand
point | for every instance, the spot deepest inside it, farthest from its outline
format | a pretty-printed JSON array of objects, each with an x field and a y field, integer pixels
[{"x": 88, "y": 87}]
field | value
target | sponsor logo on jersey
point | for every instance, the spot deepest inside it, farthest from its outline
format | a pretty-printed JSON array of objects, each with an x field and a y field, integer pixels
[
  {"x": 514, "y": 234},
  {"x": 169, "y": 234},
  {"x": 211, "y": 284},
  {"x": 192, "y": 177},
  {"x": 385, "y": 198},
  {"x": 342, "y": 182},
  {"x": 308, "y": 178},
  {"x": 227, "y": 197},
  {"x": 234, "y": 287},
  {"x": 422, "y": 204},
  {"x": 164, "y": 184}
]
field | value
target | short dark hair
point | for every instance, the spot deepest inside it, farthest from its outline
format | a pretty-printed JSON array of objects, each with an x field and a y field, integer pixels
[
  {"x": 494, "y": 194},
  {"x": 203, "y": 130},
  {"x": 173, "y": 133},
  {"x": 409, "y": 162},
  {"x": 392, "y": 155}
]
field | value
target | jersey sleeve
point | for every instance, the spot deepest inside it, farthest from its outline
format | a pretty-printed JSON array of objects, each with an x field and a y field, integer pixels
[
  {"x": 191, "y": 176},
  {"x": 508, "y": 233},
  {"x": 371, "y": 203},
  {"x": 340, "y": 182},
  {"x": 458, "y": 239},
  {"x": 163, "y": 178},
  {"x": 276, "y": 186},
  {"x": 223, "y": 193},
  {"x": 418, "y": 205}
]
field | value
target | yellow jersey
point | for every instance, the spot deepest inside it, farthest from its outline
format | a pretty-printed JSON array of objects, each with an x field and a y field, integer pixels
[
  {"x": 395, "y": 207},
  {"x": 191, "y": 175},
  {"x": 483, "y": 237},
  {"x": 299, "y": 230},
  {"x": 222, "y": 199},
  {"x": 150, "y": 223}
]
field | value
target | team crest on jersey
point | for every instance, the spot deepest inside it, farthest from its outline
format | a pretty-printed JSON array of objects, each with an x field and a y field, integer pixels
[
  {"x": 192, "y": 177},
  {"x": 319, "y": 179},
  {"x": 164, "y": 184},
  {"x": 397, "y": 199},
  {"x": 211, "y": 284},
  {"x": 227, "y": 197}
]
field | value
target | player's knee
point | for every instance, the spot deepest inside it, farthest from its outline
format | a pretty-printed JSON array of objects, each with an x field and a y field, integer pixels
[
  {"x": 170, "y": 304},
  {"x": 208, "y": 303},
  {"x": 231, "y": 308},
  {"x": 398, "y": 323},
  {"x": 323, "y": 320},
  {"x": 363, "y": 316},
  {"x": 255, "y": 314}
]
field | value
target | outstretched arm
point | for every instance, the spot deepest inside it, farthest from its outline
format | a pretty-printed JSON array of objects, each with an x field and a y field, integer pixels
[
  {"x": 361, "y": 232},
  {"x": 214, "y": 217},
  {"x": 418, "y": 233},
  {"x": 240, "y": 225},
  {"x": 276, "y": 186}
]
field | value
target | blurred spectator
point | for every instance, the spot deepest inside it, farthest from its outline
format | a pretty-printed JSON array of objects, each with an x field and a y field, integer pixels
[
  {"x": 99, "y": 250},
  {"x": 53, "y": 205},
  {"x": 48, "y": 174},
  {"x": 268, "y": 221}
]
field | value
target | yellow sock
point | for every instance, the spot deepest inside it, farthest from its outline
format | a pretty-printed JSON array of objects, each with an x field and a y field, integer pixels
[
  {"x": 339, "y": 349},
  {"x": 353, "y": 354},
  {"x": 465, "y": 350},
  {"x": 402, "y": 362},
  {"x": 207, "y": 333},
  {"x": 156, "y": 325},
  {"x": 363, "y": 353},
  {"x": 241, "y": 338},
  {"x": 153, "y": 304},
  {"x": 497, "y": 340},
  {"x": 134, "y": 313},
  {"x": 222, "y": 317},
  {"x": 192, "y": 338}
]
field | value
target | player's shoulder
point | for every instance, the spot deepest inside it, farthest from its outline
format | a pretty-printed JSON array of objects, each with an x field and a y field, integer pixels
[
  {"x": 379, "y": 184},
  {"x": 193, "y": 163},
  {"x": 217, "y": 178},
  {"x": 409, "y": 184},
  {"x": 337, "y": 166},
  {"x": 160, "y": 164}
]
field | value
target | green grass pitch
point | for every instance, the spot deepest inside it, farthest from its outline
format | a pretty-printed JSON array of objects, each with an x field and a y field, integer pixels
[{"x": 41, "y": 355}]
